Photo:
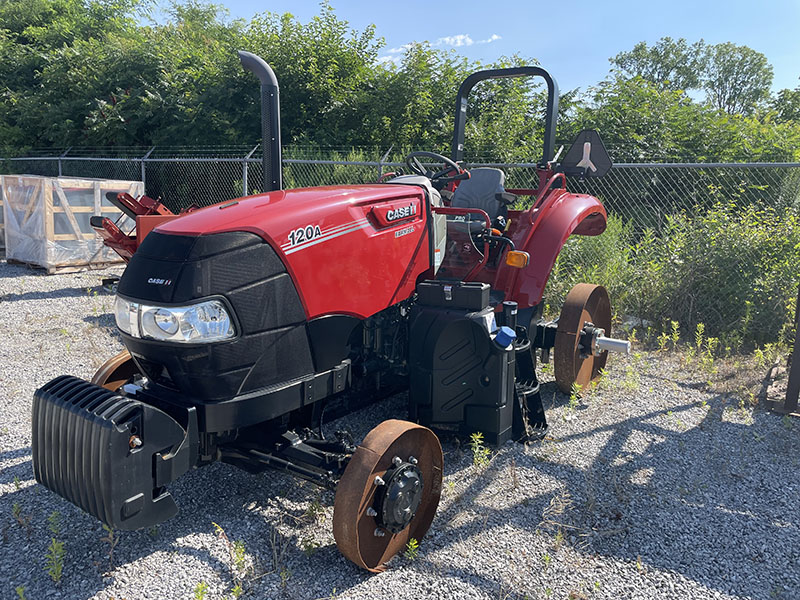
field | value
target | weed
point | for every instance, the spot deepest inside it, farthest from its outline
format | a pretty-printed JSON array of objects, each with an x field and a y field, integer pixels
[
  {"x": 546, "y": 560},
  {"x": 112, "y": 540},
  {"x": 20, "y": 592},
  {"x": 759, "y": 359},
  {"x": 675, "y": 334},
  {"x": 514, "y": 479},
  {"x": 631, "y": 381},
  {"x": 279, "y": 545},
  {"x": 237, "y": 591},
  {"x": 480, "y": 453},
  {"x": 237, "y": 551},
  {"x": 412, "y": 549},
  {"x": 17, "y": 483},
  {"x": 698, "y": 337},
  {"x": 639, "y": 564},
  {"x": 23, "y": 521},
  {"x": 663, "y": 339},
  {"x": 200, "y": 590},
  {"x": 309, "y": 546},
  {"x": 558, "y": 540},
  {"x": 285, "y": 575},
  {"x": 787, "y": 421},
  {"x": 547, "y": 368},
  {"x": 315, "y": 510},
  {"x": 54, "y": 522},
  {"x": 451, "y": 486},
  {"x": 153, "y": 531},
  {"x": 54, "y": 557},
  {"x": 574, "y": 396}
]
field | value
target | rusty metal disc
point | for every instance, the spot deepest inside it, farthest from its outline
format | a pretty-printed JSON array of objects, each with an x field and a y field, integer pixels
[
  {"x": 585, "y": 303},
  {"x": 355, "y": 522},
  {"x": 116, "y": 371}
]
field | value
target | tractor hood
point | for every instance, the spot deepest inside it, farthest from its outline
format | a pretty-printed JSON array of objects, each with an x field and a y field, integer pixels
[
  {"x": 348, "y": 249},
  {"x": 275, "y": 215}
]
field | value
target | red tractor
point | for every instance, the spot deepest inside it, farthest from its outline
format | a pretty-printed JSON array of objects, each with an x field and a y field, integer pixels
[{"x": 250, "y": 323}]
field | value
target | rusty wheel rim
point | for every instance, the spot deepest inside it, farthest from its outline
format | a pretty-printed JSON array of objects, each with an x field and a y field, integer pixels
[
  {"x": 353, "y": 528},
  {"x": 116, "y": 371},
  {"x": 585, "y": 303}
]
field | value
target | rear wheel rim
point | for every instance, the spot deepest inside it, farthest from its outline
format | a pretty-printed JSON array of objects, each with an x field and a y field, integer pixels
[
  {"x": 585, "y": 303},
  {"x": 357, "y": 507}
]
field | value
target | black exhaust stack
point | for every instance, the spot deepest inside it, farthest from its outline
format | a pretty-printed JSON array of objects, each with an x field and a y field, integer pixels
[{"x": 270, "y": 119}]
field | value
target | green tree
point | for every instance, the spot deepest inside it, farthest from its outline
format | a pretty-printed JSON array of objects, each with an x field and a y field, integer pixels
[
  {"x": 787, "y": 106},
  {"x": 669, "y": 64},
  {"x": 736, "y": 78}
]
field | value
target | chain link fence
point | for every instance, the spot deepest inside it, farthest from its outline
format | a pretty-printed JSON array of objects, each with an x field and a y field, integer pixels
[{"x": 710, "y": 243}]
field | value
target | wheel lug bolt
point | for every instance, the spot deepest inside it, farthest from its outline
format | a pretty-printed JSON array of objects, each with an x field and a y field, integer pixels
[
  {"x": 397, "y": 461},
  {"x": 379, "y": 481},
  {"x": 412, "y": 460},
  {"x": 379, "y": 532},
  {"x": 371, "y": 512}
]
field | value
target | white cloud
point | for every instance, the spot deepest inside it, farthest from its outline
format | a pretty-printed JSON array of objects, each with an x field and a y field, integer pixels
[
  {"x": 456, "y": 41},
  {"x": 402, "y": 48},
  {"x": 492, "y": 38},
  {"x": 461, "y": 39}
]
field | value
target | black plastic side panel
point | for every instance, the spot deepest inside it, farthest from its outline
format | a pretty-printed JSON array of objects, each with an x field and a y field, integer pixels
[
  {"x": 81, "y": 447},
  {"x": 459, "y": 377},
  {"x": 272, "y": 346},
  {"x": 329, "y": 339}
]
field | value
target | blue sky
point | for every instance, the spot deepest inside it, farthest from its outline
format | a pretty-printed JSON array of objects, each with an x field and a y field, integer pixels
[{"x": 572, "y": 39}]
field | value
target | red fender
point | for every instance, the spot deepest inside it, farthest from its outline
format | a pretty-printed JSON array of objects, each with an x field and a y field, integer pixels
[{"x": 542, "y": 231}]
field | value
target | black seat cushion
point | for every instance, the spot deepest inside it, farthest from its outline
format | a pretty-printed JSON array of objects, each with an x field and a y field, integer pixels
[{"x": 484, "y": 190}]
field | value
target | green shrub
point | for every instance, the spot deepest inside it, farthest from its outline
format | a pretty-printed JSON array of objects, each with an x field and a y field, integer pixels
[{"x": 733, "y": 268}]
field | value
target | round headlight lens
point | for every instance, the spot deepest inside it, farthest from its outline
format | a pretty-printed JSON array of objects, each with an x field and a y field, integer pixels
[{"x": 166, "y": 321}]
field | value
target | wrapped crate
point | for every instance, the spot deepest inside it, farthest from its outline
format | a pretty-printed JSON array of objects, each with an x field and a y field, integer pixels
[{"x": 47, "y": 220}]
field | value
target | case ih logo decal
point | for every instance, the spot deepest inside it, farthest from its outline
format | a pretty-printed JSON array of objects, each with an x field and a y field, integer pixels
[
  {"x": 159, "y": 281},
  {"x": 390, "y": 213},
  {"x": 402, "y": 213}
]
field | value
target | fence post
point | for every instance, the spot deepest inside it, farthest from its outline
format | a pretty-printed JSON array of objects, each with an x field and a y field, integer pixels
[
  {"x": 60, "y": 157},
  {"x": 245, "y": 187},
  {"x": 141, "y": 160},
  {"x": 383, "y": 160}
]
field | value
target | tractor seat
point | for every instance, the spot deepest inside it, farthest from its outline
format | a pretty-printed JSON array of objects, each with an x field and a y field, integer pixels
[{"x": 484, "y": 190}]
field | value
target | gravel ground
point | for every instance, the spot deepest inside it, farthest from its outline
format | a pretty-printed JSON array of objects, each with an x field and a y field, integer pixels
[{"x": 649, "y": 487}]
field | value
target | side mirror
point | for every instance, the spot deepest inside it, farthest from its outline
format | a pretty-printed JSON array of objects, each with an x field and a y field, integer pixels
[{"x": 587, "y": 157}]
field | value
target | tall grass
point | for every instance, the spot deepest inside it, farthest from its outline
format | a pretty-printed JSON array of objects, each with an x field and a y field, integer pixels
[{"x": 734, "y": 268}]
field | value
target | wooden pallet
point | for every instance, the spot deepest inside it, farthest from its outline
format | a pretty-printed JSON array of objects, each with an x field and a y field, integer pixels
[{"x": 47, "y": 220}]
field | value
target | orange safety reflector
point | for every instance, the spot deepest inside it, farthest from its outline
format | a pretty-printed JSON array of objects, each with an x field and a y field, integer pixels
[{"x": 517, "y": 258}]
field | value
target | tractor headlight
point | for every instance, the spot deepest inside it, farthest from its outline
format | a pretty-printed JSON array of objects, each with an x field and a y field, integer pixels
[{"x": 207, "y": 321}]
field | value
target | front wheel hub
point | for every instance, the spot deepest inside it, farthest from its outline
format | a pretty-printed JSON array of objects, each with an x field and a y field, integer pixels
[{"x": 398, "y": 500}]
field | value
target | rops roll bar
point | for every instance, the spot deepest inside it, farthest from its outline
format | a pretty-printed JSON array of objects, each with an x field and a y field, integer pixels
[{"x": 551, "y": 111}]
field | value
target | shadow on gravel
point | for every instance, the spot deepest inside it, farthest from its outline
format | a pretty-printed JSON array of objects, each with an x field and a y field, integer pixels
[
  {"x": 51, "y": 295},
  {"x": 716, "y": 503},
  {"x": 20, "y": 471}
]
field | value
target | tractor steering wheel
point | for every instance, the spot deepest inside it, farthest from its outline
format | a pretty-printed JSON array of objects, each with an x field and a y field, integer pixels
[{"x": 416, "y": 167}]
